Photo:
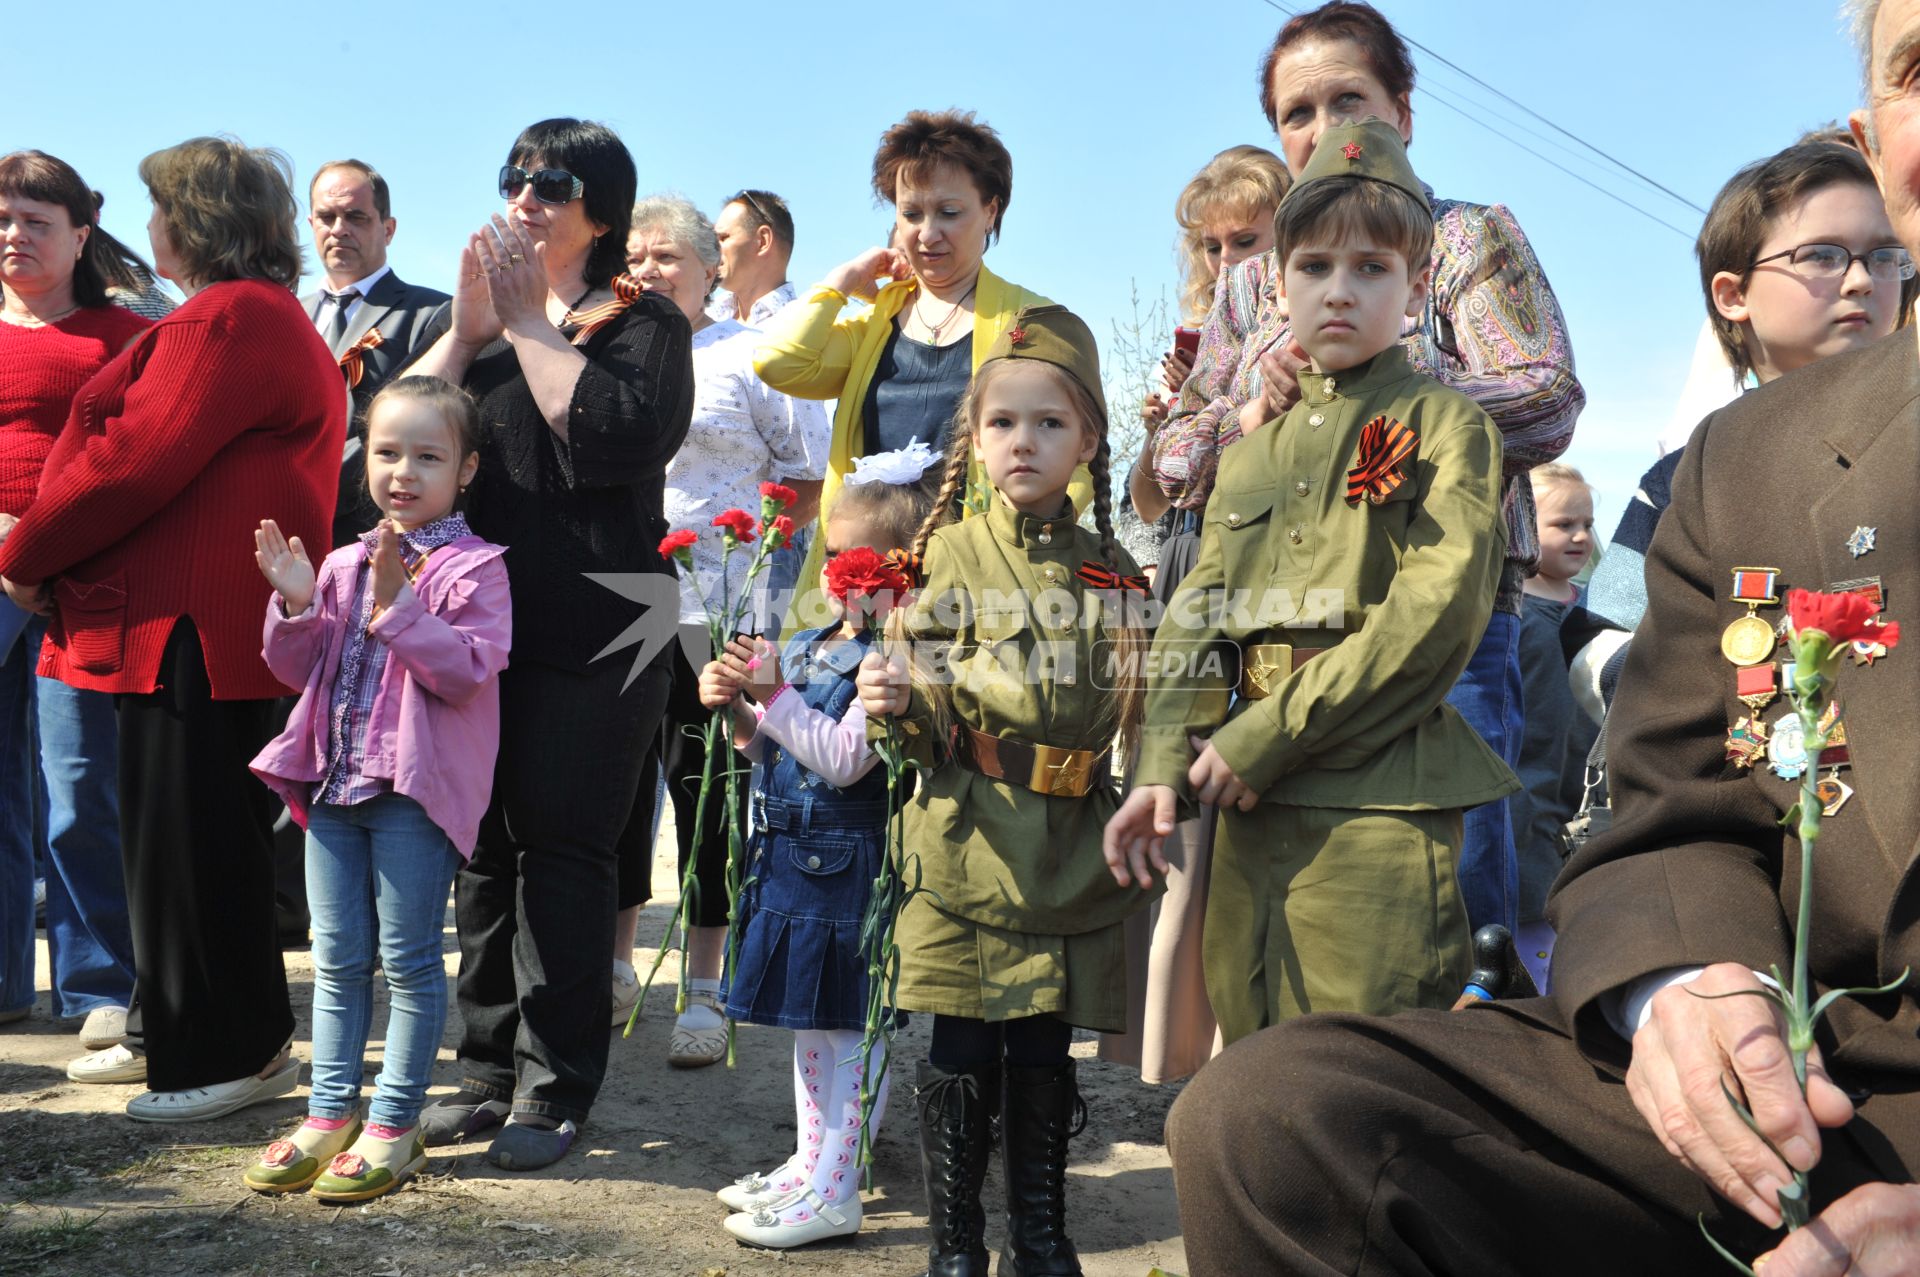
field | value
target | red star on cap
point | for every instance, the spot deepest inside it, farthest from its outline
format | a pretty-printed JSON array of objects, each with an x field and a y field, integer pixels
[
  {"x": 1017, "y": 336},
  {"x": 1351, "y": 150}
]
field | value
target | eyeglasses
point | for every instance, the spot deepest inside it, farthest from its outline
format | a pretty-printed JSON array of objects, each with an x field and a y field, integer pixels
[
  {"x": 1831, "y": 261},
  {"x": 550, "y": 185}
]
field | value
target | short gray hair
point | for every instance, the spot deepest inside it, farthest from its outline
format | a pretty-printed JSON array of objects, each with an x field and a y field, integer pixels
[
  {"x": 676, "y": 217},
  {"x": 1860, "y": 16}
]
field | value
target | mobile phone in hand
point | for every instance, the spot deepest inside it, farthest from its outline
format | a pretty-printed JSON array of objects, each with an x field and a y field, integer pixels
[{"x": 1187, "y": 340}]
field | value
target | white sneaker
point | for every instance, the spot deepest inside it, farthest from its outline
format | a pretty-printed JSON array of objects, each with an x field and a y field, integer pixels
[
  {"x": 626, "y": 993},
  {"x": 798, "y": 1220},
  {"x": 103, "y": 1027},
  {"x": 115, "y": 1064}
]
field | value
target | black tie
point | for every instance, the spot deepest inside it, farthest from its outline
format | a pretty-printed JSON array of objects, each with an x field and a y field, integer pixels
[{"x": 337, "y": 329}]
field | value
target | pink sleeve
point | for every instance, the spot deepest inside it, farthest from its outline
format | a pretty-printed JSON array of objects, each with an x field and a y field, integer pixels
[
  {"x": 457, "y": 653},
  {"x": 292, "y": 644},
  {"x": 837, "y": 751}
]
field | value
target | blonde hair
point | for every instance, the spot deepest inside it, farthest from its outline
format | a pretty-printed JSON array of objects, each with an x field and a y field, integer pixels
[
  {"x": 1129, "y": 640},
  {"x": 1242, "y": 180},
  {"x": 1552, "y": 472},
  {"x": 228, "y": 210}
]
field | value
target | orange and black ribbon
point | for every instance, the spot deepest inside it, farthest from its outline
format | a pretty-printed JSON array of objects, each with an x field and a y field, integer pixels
[
  {"x": 626, "y": 291},
  {"x": 352, "y": 363},
  {"x": 1384, "y": 444},
  {"x": 1102, "y": 577},
  {"x": 907, "y": 563}
]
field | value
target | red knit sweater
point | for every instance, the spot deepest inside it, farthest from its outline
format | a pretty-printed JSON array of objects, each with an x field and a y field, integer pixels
[
  {"x": 227, "y": 412},
  {"x": 41, "y": 370}
]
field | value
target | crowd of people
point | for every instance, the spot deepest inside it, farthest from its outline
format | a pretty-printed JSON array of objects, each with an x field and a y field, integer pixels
[{"x": 306, "y": 628}]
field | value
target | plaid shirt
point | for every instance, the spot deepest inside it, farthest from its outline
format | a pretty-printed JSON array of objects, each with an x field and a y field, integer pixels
[{"x": 363, "y": 664}]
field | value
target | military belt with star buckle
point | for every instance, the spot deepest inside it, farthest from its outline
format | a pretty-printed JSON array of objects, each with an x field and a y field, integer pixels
[{"x": 1045, "y": 769}]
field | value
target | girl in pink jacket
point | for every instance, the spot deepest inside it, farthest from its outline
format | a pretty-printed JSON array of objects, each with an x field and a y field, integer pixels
[{"x": 387, "y": 761}]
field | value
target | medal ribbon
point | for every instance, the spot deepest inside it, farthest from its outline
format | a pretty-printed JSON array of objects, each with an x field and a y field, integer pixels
[
  {"x": 626, "y": 291},
  {"x": 1384, "y": 444},
  {"x": 1102, "y": 577},
  {"x": 905, "y": 562},
  {"x": 351, "y": 362}
]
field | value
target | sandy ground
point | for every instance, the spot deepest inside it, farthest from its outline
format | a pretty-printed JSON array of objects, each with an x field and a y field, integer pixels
[{"x": 84, "y": 1189}]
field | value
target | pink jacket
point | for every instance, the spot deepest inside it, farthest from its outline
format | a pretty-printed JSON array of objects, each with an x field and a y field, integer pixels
[{"x": 435, "y": 727}]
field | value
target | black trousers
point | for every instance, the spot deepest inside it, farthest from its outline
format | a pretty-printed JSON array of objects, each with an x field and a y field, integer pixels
[
  {"x": 196, "y": 838},
  {"x": 535, "y": 904},
  {"x": 1477, "y": 1142},
  {"x": 681, "y": 750}
]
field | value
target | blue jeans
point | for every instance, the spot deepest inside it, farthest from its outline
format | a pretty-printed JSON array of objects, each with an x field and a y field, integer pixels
[
  {"x": 378, "y": 874},
  {"x": 19, "y": 782},
  {"x": 1488, "y": 697},
  {"x": 89, "y": 940}
]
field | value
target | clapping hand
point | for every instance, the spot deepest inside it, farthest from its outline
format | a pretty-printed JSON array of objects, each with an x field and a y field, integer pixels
[
  {"x": 285, "y": 565},
  {"x": 474, "y": 321},
  {"x": 389, "y": 571},
  {"x": 514, "y": 269}
]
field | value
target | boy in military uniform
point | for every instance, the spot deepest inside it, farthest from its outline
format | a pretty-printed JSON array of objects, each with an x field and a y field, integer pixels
[{"x": 1348, "y": 562}]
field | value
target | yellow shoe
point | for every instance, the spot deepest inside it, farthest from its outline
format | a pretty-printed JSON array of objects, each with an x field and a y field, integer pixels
[
  {"x": 292, "y": 1164},
  {"x": 373, "y": 1167}
]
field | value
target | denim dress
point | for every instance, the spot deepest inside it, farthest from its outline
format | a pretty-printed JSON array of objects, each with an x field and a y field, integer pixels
[{"x": 812, "y": 857}]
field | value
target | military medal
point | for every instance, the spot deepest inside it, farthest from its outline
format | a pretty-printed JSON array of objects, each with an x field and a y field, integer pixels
[
  {"x": 1832, "y": 793},
  {"x": 1746, "y": 742},
  {"x": 1787, "y": 748},
  {"x": 1750, "y": 640},
  {"x": 1867, "y": 587},
  {"x": 1861, "y": 541},
  {"x": 1865, "y": 650},
  {"x": 1754, "y": 686}
]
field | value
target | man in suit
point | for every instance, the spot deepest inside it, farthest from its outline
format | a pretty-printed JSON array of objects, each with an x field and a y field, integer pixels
[
  {"x": 1588, "y": 1132},
  {"x": 372, "y": 321}
]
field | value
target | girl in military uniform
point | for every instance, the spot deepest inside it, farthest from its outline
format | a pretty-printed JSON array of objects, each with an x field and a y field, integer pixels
[
  {"x": 819, "y": 823},
  {"x": 1016, "y": 699}
]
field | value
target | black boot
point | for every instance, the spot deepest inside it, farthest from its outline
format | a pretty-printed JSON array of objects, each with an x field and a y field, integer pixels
[
  {"x": 1043, "y": 1111},
  {"x": 953, "y": 1159}
]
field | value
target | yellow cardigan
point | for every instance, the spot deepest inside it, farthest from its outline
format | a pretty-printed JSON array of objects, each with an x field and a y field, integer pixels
[{"x": 811, "y": 352}]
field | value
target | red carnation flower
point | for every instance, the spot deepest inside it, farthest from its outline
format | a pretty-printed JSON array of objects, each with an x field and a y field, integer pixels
[
  {"x": 862, "y": 580},
  {"x": 1841, "y": 617},
  {"x": 735, "y": 525},
  {"x": 779, "y": 492},
  {"x": 782, "y": 531},
  {"x": 678, "y": 545}
]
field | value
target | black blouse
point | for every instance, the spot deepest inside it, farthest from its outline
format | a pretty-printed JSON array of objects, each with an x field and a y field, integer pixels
[{"x": 592, "y": 503}]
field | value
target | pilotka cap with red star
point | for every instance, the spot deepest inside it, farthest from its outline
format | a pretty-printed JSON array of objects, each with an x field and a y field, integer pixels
[{"x": 1370, "y": 149}]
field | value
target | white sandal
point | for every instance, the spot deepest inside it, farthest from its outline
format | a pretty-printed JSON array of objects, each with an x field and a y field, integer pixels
[
  {"x": 199, "y": 1103},
  {"x": 697, "y": 1048}
]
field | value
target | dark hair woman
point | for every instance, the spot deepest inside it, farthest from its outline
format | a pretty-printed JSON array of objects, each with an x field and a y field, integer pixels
[
  {"x": 140, "y": 542},
  {"x": 59, "y": 327},
  {"x": 585, "y": 392}
]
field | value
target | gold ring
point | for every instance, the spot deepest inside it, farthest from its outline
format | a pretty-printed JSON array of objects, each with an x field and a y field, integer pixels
[{"x": 515, "y": 258}]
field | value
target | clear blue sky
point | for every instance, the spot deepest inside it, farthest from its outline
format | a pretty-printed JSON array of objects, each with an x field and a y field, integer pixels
[{"x": 1107, "y": 107}]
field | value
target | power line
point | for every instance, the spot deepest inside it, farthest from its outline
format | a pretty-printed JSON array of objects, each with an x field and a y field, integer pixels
[
  {"x": 1578, "y": 177},
  {"x": 1620, "y": 164}
]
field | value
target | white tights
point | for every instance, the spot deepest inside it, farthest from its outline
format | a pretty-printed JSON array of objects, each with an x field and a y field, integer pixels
[{"x": 826, "y": 1091}]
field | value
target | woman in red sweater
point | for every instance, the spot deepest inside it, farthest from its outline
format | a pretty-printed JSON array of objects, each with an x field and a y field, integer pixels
[
  {"x": 58, "y": 327},
  {"x": 227, "y": 412}
]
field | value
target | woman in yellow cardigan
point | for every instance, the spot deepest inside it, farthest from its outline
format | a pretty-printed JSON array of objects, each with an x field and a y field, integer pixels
[{"x": 899, "y": 367}]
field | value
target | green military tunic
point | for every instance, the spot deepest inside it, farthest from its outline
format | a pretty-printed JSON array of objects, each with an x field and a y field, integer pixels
[
  {"x": 1020, "y": 915},
  {"x": 1346, "y": 900}
]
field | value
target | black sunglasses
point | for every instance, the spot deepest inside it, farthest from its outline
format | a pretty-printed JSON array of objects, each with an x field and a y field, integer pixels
[{"x": 550, "y": 185}]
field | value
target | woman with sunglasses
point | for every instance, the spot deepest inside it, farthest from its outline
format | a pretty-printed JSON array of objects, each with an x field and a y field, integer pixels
[{"x": 586, "y": 391}]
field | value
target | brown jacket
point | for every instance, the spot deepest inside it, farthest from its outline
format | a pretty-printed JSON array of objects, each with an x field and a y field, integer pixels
[{"x": 1697, "y": 869}]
